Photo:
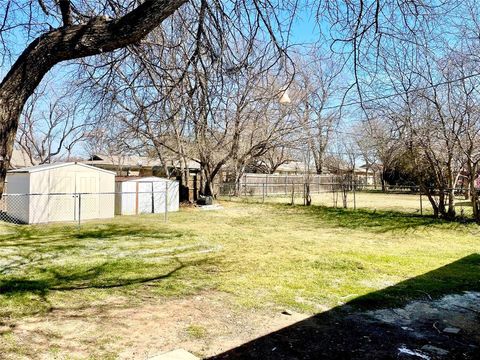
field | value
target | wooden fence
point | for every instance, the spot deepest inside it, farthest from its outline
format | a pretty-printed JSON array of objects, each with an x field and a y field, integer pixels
[{"x": 269, "y": 185}]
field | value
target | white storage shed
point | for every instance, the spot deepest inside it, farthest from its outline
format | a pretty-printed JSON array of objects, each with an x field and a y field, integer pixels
[
  {"x": 60, "y": 192},
  {"x": 145, "y": 195}
]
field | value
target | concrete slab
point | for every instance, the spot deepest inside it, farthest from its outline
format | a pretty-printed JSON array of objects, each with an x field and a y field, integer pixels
[
  {"x": 178, "y": 354},
  {"x": 451, "y": 330},
  {"x": 210, "y": 207}
]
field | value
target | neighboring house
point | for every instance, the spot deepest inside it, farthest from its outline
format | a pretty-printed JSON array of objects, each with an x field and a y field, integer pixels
[
  {"x": 462, "y": 180},
  {"x": 125, "y": 165},
  {"x": 366, "y": 176},
  {"x": 135, "y": 165},
  {"x": 20, "y": 159},
  {"x": 363, "y": 175},
  {"x": 174, "y": 165},
  {"x": 294, "y": 168},
  {"x": 371, "y": 174},
  {"x": 143, "y": 166}
]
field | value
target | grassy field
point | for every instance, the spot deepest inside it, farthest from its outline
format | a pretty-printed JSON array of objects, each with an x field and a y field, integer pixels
[
  {"x": 266, "y": 256},
  {"x": 372, "y": 200}
]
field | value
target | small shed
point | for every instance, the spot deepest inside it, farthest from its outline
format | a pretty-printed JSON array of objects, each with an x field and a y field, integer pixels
[
  {"x": 60, "y": 192},
  {"x": 147, "y": 195}
]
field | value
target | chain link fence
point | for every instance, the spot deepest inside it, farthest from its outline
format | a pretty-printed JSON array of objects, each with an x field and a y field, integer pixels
[
  {"x": 340, "y": 194},
  {"x": 78, "y": 208}
]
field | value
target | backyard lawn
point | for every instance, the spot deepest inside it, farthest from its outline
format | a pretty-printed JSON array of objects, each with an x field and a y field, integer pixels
[{"x": 206, "y": 280}]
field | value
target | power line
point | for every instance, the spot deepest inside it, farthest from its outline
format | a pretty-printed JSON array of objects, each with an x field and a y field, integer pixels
[{"x": 388, "y": 96}]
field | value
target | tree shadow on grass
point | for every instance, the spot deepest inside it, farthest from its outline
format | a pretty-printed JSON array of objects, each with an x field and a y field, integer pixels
[
  {"x": 127, "y": 230},
  {"x": 20, "y": 235},
  {"x": 97, "y": 277},
  {"x": 27, "y": 246},
  {"x": 349, "y": 332},
  {"x": 371, "y": 220}
]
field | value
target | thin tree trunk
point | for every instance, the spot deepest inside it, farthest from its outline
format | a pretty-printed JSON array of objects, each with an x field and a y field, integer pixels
[
  {"x": 434, "y": 204},
  {"x": 431, "y": 198},
  {"x": 474, "y": 198},
  {"x": 451, "y": 195}
]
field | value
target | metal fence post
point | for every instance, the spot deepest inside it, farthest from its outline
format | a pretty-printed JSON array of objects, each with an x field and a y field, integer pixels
[
  {"x": 421, "y": 204},
  {"x": 79, "y": 210},
  {"x": 166, "y": 201},
  {"x": 354, "y": 197},
  {"x": 293, "y": 193},
  {"x": 245, "y": 184},
  {"x": 304, "y": 194}
]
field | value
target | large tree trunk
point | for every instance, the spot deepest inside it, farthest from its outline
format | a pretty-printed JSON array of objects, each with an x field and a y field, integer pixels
[
  {"x": 208, "y": 179},
  {"x": 441, "y": 203},
  {"x": 69, "y": 42},
  {"x": 8, "y": 110},
  {"x": 382, "y": 181},
  {"x": 206, "y": 186}
]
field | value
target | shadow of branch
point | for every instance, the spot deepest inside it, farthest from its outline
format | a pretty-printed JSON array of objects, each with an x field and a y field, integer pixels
[{"x": 86, "y": 279}]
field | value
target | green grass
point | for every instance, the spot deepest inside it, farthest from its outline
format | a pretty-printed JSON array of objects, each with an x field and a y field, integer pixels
[
  {"x": 267, "y": 256},
  {"x": 196, "y": 331}
]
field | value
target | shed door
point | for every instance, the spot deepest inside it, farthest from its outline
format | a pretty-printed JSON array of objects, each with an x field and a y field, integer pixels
[
  {"x": 88, "y": 202},
  {"x": 159, "y": 197},
  {"x": 61, "y": 199},
  {"x": 145, "y": 198}
]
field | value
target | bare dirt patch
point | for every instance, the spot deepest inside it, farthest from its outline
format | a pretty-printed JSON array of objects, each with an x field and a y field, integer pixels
[{"x": 204, "y": 324}]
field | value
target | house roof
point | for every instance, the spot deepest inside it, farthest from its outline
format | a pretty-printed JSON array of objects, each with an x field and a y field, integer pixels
[
  {"x": 134, "y": 161},
  {"x": 20, "y": 159},
  {"x": 44, "y": 167},
  {"x": 294, "y": 166},
  {"x": 372, "y": 166},
  {"x": 140, "y": 179},
  {"x": 193, "y": 165},
  {"x": 122, "y": 160}
]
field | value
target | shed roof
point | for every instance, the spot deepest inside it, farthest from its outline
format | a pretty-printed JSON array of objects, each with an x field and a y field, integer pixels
[{"x": 44, "y": 167}]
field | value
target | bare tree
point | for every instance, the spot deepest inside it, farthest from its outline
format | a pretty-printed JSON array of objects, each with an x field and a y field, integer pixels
[
  {"x": 273, "y": 158},
  {"x": 463, "y": 104},
  {"x": 378, "y": 144},
  {"x": 63, "y": 30},
  {"x": 318, "y": 87},
  {"x": 75, "y": 33},
  {"x": 51, "y": 131}
]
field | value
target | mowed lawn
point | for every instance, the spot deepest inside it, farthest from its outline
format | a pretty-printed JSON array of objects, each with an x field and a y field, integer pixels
[
  {"x": 373, "y": 200},
  {"x": 266, "y": 256}
]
